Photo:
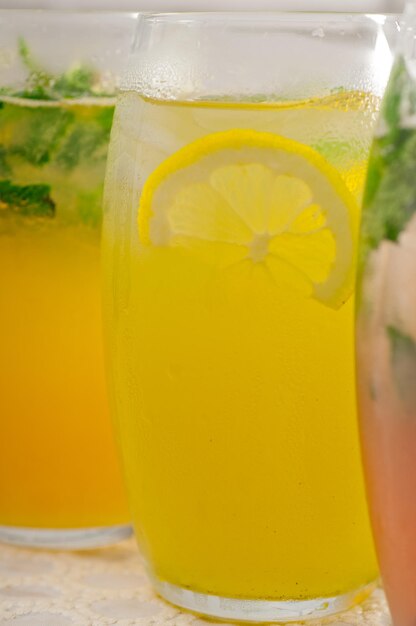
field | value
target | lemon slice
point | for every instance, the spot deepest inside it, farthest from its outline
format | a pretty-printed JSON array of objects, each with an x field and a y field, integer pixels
[{"x": 259, "y": 198}]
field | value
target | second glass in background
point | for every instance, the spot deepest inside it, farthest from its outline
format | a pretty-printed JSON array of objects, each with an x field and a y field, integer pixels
[{"x": 60, "y": 484}]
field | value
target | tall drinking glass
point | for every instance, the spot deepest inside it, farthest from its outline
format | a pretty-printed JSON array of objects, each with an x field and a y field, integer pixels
[
  {"x": 238, "y": 157},
  {"x": 60, "y": 484},
  {"x": 386, "y": 333}
]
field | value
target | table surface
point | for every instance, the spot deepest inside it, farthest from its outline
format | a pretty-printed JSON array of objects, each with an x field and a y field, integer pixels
[{"x": 109, "y": 586}]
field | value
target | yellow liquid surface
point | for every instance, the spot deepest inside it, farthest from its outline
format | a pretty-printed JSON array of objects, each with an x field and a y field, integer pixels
[
  {"x": 58, "y": 463},
  {"x": 234, "y": 399}
]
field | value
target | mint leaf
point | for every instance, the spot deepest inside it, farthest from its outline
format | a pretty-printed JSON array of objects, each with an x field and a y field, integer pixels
[
  {"x": 78, "y": 81},
  {"x": 390, "y": 108},
  {"x": 81, "y": 142},
  {"x": 26, "y": 200},
  {"x": 75, "y": 83},
  {"x": 87, "y": 140},
  {"x": 90, "y": 207},
  {"x": 403, "y": 360},
  {"x": 27, "y": 58},
  {"x": 66, "y": 136},
  {"x": 5, "y": 168},
  {"x": 40, "y": 133},
  {"x": 390, "y": 194},
  {"x": 38, "y": 80},
  {"x": 33, "y": 93},
  {"x": 390, "y": 199},
  {"x": 104, "y": 118},
  {"x": 400, "y": 342}
]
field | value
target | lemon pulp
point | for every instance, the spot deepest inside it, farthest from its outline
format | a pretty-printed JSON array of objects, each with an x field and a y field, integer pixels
[{"x": 245, "y": 195}]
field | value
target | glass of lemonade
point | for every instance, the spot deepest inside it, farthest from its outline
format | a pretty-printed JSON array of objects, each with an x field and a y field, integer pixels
[
  {"x": 238, "y": 156},
  {"x": 386, "y": 333},
  {"x": 60, "y": 484}
]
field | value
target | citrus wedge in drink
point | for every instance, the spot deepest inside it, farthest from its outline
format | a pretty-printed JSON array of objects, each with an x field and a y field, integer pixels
[{"x": 246, "y": 195}]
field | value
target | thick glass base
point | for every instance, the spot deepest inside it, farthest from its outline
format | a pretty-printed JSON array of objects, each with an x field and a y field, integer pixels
[
  {"x": 65, "y": 539},
  {"x": 259, "y": 610}
]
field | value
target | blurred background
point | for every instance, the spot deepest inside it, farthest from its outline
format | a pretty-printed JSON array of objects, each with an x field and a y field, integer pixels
[{"x": 365, "y": 6}]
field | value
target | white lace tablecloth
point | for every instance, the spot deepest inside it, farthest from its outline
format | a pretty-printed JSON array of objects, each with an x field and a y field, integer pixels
[{"x": 109, "y": 586}]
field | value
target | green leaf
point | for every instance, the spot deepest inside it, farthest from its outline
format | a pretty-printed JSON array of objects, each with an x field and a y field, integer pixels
[
  {"x": 75, "y": 83},
  {"x": 38, "y": 80},
  {"x": 40, "y": 134},
  {"x": 390, "y": 199},
  {"x": 400, "y": 342},
  {"x": 90, "y": 207},
  {"x": 5, "y": 168},
  {"x": 26, "y": 57},
  {"x": 390, "y": 109},
  {"x": 87, "y": 141},
  {"x": 26, "y": 200},
  {"x": 78, "y": 81},
  {"x": 36, "y": 92},
  {"x": 104, "y": 118},
  {"x": 390, "y": 194},
  {"x": 403, "y": 360}
]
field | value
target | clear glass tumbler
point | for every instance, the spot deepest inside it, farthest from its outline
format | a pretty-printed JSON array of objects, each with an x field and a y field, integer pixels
[
  {"x": 386, "y": 333},
  {"x": 238, "y": 156},
  {"x": 60, "y": 483}
]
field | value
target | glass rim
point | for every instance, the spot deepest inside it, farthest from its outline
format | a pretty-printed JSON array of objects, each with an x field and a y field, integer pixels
[
  {"x": 190, "y": 16},
  {"x": 65, "y": 12}
]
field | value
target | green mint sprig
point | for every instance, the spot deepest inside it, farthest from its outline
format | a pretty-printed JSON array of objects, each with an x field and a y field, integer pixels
[
  {"x": 61, "y": 135},
  {"x": 26, "y": 200},
  {"x": 79, "y": 81},
  {"x": 390, "y": 194}
]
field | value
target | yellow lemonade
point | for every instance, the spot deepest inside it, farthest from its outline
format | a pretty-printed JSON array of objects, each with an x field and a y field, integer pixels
[
  {"x": 58, "y": 463},
  {"x": 232, "y": 362}
]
